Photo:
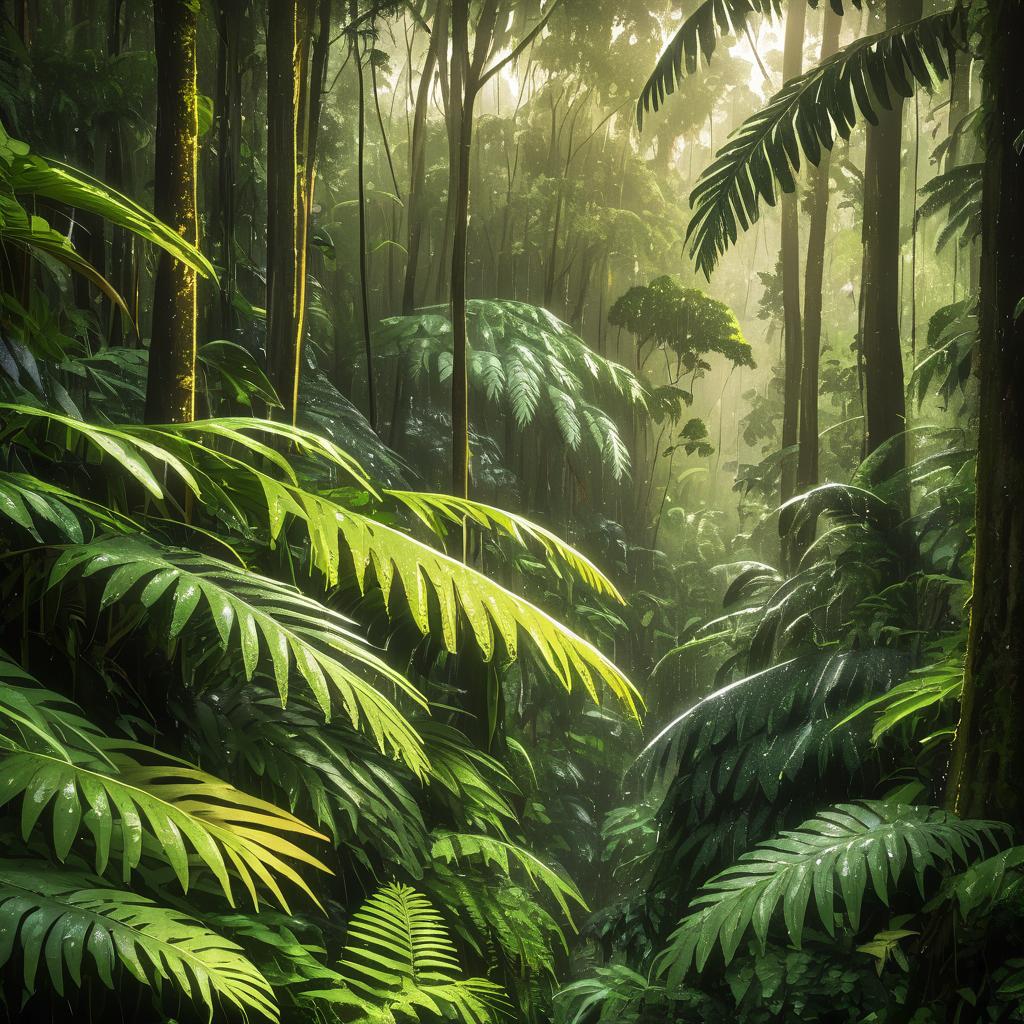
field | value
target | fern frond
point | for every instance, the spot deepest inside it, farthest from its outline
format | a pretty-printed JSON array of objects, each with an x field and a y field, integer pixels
[
  {"x": 59, "y": 916},
  {"x": 399, "y": 954}
]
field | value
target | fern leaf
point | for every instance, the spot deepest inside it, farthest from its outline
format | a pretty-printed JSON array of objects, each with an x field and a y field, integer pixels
[{"x": 399, "y": 954}]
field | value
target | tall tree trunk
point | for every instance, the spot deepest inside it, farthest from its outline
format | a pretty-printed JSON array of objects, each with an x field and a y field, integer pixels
[
  {"x": 460, "y": 111},
  {"x": 417, "y": 159},
  {"x": 287, "y": 194},
  {"x": 988, "y": 752},
  {"x": 170, "y": 389},
  {"x": 792, "y": 65},
  {"x": 364, "y": 295},
  {"x": 228, "y": 108},
  {"x": 884, "y": 396},
  {"x": 814, "y": 273}
]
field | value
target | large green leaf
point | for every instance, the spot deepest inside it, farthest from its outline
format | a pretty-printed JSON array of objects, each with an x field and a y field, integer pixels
[{"x": 22, "y": 173}]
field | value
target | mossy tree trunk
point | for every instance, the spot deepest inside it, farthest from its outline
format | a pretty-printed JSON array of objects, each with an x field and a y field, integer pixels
[
  {"x": 287, "y": 198},
  {"x": 170, "y": 389},
  {"x": 988, "y": 752}
]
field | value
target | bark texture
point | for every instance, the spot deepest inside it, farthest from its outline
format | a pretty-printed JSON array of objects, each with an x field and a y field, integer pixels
[
  {"x": 170, "y": 388},
  {"x": 988, "y": 752}
]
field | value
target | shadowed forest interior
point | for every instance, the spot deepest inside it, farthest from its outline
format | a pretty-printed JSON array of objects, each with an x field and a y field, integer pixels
[{"x": 512, "y": 511}]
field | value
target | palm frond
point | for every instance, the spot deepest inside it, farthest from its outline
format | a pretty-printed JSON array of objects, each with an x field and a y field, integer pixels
[
  {"x": 836, "y": 852},
  {"x": 243, "y": 490},
  {"x": 259, "y": 618},
  {"x": 698, "y": 37},
  {"x": 432, "y": 508},
  {"x": 764, "y": 153},
  {"x": 450, "y": 846},
  {"x": 58, "y": 916},
  {"x": 25, "y": 174}
]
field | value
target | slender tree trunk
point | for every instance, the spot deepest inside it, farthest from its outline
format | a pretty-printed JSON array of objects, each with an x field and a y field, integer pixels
[
  {"x": 460, "y": 109},
  {"x": 287, "y": 195},
  {"x": 170, "y": 389},
  {"x": 814, "y": 272},
  {"x": 885, "y": 401},
  {"x": 417, "y": 160},
  {"x": 364, "y": 296},
  {"x": 988, "y": 752},
  {"x": 228, "y": 108},
  {"x": 792, "y": 65}
]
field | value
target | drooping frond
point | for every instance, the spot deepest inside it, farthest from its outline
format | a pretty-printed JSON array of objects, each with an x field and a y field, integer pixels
[
  {"x": 955, "y": 194},
  {"x": 836, "y": 852},
  {"x": 131, "y": 803},
  {"x": 23, "y": 174},
  {"x": 68, "y": 921},
  {"x": 260, "y": 618},
  {"x": 451, "y": 846},
  {"x": 748, "y": 758},
  {"x": 802, "y": 120},
  {"x": 698, "y": 36}
]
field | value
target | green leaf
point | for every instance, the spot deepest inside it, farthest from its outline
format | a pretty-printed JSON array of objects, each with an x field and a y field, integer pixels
[{"x": 60, "y": 916}]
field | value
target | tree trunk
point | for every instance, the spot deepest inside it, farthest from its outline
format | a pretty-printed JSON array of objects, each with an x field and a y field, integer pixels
[
  {"x": 792, "y": 64},
  {"x": 884, "y": 398},
  {"x": 417, "y": 160},
  {"x": 460, "y": 110},
  {"x": 170, "y": 389},
  {"x": 988, "y": 752},
  {"x": 287, "y": 195},
  {"x": 814, "y": 272},
  {"x": 364, "y": 295},
  {"x": 228, "y": 108}
]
